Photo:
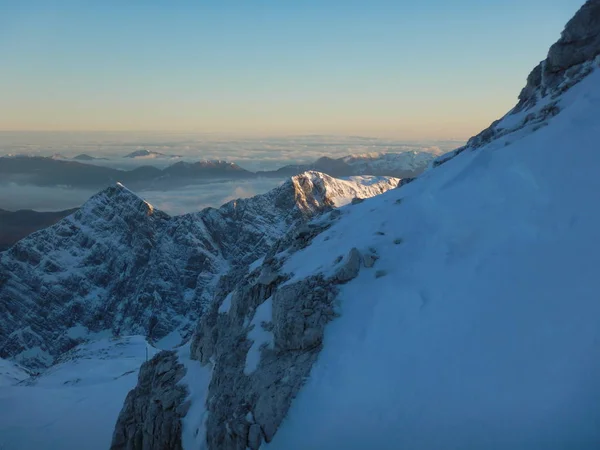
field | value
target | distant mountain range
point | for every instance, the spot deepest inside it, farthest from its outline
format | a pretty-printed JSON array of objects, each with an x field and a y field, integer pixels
[{"x": 50, "y": 171}]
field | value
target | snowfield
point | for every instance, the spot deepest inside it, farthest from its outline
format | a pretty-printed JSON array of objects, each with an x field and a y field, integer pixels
[
  {"x": 477, "y": 327},
  {"x": 74, "y": 404}
]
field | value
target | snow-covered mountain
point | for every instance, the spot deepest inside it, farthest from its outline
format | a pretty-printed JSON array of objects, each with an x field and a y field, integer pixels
[
  {"x": 376, "y": 163},
  {"x": 82, "y": 173},
  {"x": 457, "y": 312},
  {"x": 118, "y": 264},
  {"x": 406, "y": 164}
]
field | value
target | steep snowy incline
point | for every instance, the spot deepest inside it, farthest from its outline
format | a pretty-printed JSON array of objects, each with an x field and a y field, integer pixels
[
  {"x": 120, "y": 265},
  {"x": 477, "y": 326}
]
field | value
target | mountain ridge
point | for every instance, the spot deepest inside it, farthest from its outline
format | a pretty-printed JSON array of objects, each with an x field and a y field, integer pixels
[
  {"x": 122, "y": 265},
  {"x": 43, "y": 171}
]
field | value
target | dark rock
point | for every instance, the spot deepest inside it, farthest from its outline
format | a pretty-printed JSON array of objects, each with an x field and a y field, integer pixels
[{"x": 151, "y": 415}]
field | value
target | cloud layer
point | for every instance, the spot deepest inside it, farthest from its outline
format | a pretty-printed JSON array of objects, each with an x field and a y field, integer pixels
[{"x": 180, "y": 201}]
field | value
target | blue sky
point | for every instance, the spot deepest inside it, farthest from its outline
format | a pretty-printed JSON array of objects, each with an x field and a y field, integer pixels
[{"x": 427, "y": 69}]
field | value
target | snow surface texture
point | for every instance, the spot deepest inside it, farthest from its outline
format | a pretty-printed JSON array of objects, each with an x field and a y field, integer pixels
[
  {"x": 75, "y": 404},
  {"x": 122, "y": 266},
  {"x": 477, "y": 325},
  {"x": 259, "y": 336},
  {"x": 11, "y": 373}
]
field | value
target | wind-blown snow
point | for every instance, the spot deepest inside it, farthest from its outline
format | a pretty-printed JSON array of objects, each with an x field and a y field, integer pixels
[
  {"x": 480, "y": 329},
  {"x": 74, "y": 404}
]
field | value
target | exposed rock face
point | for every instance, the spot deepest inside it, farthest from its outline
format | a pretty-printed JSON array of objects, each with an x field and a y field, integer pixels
[
  {"x": 115, "y": 264},
  {"x": 349, "y": 267},
  {"x": 245, "y": 406},
  {"x": 569, "y": 60},
  {"x": 248, "y": 399},
  {"x": 579, "y": 42},
  {"x": 261, "y": 337},
  {"x": 151, "y": 415},
  {"x": 118, "y": 264},
  {"x": 566, "y": 62}
]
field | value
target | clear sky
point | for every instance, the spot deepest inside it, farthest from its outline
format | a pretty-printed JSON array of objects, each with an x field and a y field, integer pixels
[{"x": 410, "y": 69}]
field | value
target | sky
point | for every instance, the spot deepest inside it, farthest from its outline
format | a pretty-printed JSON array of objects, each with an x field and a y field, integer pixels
[{"x": 432, "y": 69}]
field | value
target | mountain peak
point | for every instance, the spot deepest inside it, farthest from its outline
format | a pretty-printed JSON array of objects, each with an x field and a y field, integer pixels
[
  {"x": 119, "y": 198},
  {"x": 569, "y": 59},
  {"x": 315, "y": 190}
]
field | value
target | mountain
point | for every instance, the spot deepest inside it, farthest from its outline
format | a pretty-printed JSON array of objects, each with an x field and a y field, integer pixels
[
  {"x": 459, "y": 311},
  {"x": 118, "y": 265},
  {"x": 149, "y": 154},
  {"x": 407, "y": 163},
  {"x": 86, "y": 157},
  {"x": 40, "y": 171},
  {"x": 400, "y": 165},
  {"x": 15, "y": 225}
]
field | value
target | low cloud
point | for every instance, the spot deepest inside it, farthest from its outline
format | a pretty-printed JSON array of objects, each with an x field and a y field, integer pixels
[
  {"x": 195, "y": 198},
  {"x": 174, "y": 202}
]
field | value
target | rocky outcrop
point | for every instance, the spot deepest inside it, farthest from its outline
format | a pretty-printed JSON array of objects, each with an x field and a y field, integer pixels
[
  {"x": 579, "y": 42},
  {"x": 246, "y": 404},
  {"x": 569, "y": 61},
  {"x": 151, "y": 415},
  {"x": 262, "y": 339}
]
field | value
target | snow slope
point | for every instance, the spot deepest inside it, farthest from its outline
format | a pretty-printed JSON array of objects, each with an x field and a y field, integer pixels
[
  {"x": 11, "y": 373},
  {"x": 477, "y": 327},
  {"x": 75, "y": 404}
]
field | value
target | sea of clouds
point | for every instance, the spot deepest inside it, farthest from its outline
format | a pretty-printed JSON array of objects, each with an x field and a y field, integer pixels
[{"x": 251, "y": 153}]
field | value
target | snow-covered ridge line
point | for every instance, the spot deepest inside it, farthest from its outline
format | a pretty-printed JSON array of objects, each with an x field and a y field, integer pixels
[{"x": 118, "y": 264}]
